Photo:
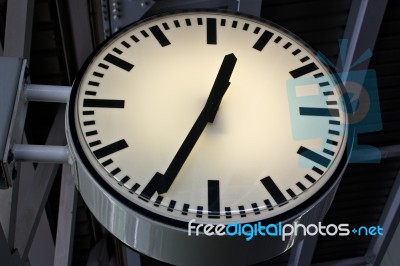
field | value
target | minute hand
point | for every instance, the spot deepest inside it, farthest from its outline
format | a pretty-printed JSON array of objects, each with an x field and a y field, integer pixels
[{"x": 207, "y": 115}]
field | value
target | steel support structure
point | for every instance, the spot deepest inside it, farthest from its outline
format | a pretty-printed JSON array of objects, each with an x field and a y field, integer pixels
[
  {"x": 389, "y": 220},
  {"x": 66, "y": 218},
  {"x": 18, "y": 32}
]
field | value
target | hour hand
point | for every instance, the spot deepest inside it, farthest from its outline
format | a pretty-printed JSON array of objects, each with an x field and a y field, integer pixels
[{"x": 221, "y": 84}]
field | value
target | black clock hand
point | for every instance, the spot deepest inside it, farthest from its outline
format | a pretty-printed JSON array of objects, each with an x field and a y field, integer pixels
[
  {"x": 207, "y": 115},
  {"x": 161, "y": 182}
]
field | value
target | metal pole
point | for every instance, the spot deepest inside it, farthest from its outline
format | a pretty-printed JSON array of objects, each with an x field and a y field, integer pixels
[
  {"x": 47, "y": 93},
  {"x": 41, "y": 153}
]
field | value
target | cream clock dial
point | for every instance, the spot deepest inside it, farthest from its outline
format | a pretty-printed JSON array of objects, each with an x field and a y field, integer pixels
[
  {"x": 202, "y": 115},
  {"x": 187, "y": 116}
]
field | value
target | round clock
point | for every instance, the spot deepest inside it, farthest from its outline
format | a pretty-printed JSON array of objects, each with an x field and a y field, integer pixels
[{"x": 194, "y": 116}]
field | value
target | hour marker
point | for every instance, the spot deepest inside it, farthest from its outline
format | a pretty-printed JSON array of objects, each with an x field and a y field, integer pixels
[
  {"x": 313, "y": 156},
  {"x": 287, "y": 45},
  {"x": 93, "y": 83},
  {"x": 310, "y": 178},
  {"x": 110, "y": 149},
  {"x": 263, "y": 40},
  {"x": 171, "y": 205},
  {"x": 246, "y": 26},
  {"x": 334, "y": 122},
  {"x": 124, "y": 180},
  {"x": 331, "y": 102},
  {"x": 273, "y": 189},
  {"x": 311, "y": 111},
  {"x": 134, "y": 188},
  {"x": 328, "y": 93},
  {"x": 115, "y": 171},
  {"x": 125, "y": 44},
  {"x": 103, "y": 66},
  {"x": 255, "y": 208},
  {"x": 317, "y": 170},
  {"x": 268, "y": 205},
  {"x": 103, "y": 103},
  {"x": 97, "y": 74},
  {"x": 323, "y": 84},
  {"x": 91, "y": 133},
  {"x": 211, "y": 31},
  {"x": 134, "y": 38},
  {"x": 89, "y": 123},
  {"x": 159, "y": 199},
  {"x": 92, "y": 93},
  {"x": 160, "y": 36},
  {"x": 333, "y": 132},
  {"x": 199, "y": 212},
  {"x": 165, "y": 25},
  {"x": 278, "y": 39},
  {"x": 118, "y": 62},
  {"x": 328, "y": 152},
  {"x": 318, "y": 75},
  {"x": 332, "y": 142},
  {"x": 296, "y": 52},
  {"x": 291, "y": 193},
  {"x": 88, "y": 113},
  {"x": 242, "y": 211},
  {"x": 176, "y": 23},
  {"x": 303, "y": 70},
  {"x": 228, "y": 213},
  {"x": 108, "y": 162},
  {"x": 301, "y": 186},
  {"x": 213, "y": 199},
  {"x": 144, "y": 33},
  {"x": 223, "y": 22},
  {"x": 257, "y": 30},
  {"x": 234, "y": 24},
  {"x": 185, "y": 209},
  {"x": 304, "y": 59},
  {"x": 94, "y": 143},
  {"x": 199, "y": 21},
  {"x": 118, "y": 51},
  {"x": 188, "y": 22}
]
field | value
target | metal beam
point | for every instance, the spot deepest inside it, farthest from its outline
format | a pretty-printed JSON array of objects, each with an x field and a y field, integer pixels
[
  {"x": 362, "y": 28},
  {"x": 10, "y": 76},
  {"x": 42, "y": 251},
  {"x": 125, "y": 12},
  {"x": 34, "y": 192},
  {"x": 302, "y": 253},
  {"x": 66, "y": 219},
  {"x": 18, "y": 31},
  {"x": 7, "y": 258},
  {"x": 164, "y": 6},
  {"x": 252, "y": 7},
  {"x": 356, "y": 261},
  {"x": 389, "y": 220},
  {"x": 79, "y": 23}
]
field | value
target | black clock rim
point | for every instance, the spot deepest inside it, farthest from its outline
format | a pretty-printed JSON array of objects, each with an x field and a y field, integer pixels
[{"x": 292, "y": 213}]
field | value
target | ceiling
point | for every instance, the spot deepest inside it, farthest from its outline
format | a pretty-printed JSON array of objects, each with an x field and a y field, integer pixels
[{"x": 58, "y": 49}]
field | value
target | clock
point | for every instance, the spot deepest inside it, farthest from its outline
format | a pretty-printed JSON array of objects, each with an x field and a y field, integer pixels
[{"x": 192, "y": 116}]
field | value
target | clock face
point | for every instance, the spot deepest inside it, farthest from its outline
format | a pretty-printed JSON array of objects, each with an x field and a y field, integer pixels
[{"x": 188, "y": 116}]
